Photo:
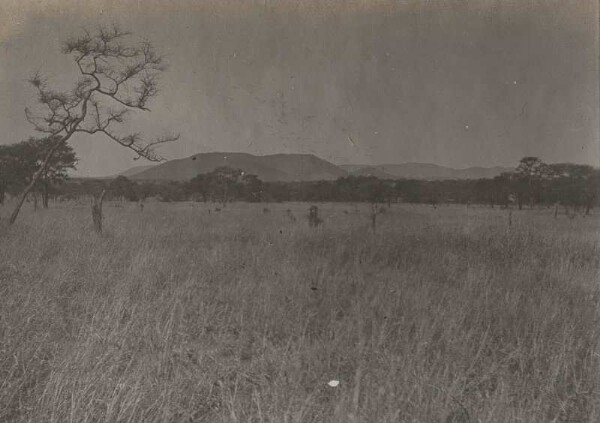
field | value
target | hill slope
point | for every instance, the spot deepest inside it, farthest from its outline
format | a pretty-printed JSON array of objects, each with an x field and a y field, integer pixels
[
  {"x": 277, "y": 167},
  {"x": 135, "y": 170}
]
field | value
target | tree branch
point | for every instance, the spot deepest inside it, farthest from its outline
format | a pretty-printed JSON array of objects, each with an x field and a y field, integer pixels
[{"x": 114, "y": 71}]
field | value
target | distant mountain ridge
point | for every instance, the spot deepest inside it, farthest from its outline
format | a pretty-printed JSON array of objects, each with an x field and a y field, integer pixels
[
  {"x": 427, "y": 171},
  {"x": 300, "y": 167}
]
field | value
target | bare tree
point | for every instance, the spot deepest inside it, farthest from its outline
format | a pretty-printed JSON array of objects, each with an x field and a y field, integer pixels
[{"x": 117, "y": 76}]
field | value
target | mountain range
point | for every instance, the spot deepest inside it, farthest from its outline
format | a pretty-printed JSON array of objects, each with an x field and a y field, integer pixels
[
  {"x": 426, "y": 171},
  {"x": 299, "y": 167}
]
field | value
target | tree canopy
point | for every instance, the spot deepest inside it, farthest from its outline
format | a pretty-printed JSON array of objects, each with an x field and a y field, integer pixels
[{"x": 20, "y": 161}]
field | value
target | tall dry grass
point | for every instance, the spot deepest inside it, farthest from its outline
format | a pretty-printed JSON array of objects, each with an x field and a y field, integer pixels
[{"x": 175, "y": 314}]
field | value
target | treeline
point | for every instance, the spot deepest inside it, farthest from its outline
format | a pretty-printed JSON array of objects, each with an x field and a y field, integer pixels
[{"x": 532, "y": 183}]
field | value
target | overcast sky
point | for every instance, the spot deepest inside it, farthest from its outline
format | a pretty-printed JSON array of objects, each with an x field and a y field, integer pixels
[{"x": 456, "y": 83}]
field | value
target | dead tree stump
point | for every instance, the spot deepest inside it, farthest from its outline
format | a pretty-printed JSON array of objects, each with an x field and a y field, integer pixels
[
  {"x": 313, "y": 217},
  {"x": 97, "y": 211},
  {"x": 374, "y": 212}
]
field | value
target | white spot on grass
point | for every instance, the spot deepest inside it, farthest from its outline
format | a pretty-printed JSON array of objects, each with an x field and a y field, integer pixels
[{"x": 333, "y": 383}]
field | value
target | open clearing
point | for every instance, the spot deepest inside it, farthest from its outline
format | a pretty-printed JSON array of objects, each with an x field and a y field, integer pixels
[{"x": 177, "y": 314}]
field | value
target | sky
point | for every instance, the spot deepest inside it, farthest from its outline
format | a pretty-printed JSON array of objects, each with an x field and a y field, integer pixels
[{"x": 455, "y": 83}]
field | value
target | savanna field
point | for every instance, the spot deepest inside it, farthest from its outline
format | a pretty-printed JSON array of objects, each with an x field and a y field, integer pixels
[{"x": 175, "y": 314}]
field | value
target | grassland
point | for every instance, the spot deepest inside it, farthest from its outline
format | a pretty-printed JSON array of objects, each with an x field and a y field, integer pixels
[{"x": 175, "y": 314}]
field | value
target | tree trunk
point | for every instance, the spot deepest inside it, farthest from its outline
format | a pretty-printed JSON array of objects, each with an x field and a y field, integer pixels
[
  {"x": 556, "y": 210},
  {"x": 45, "y": 190},
  {"x": 35, "y": 201},
  {"x": 97, "y": 211},
  {"x": 36, "y": 176}
]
